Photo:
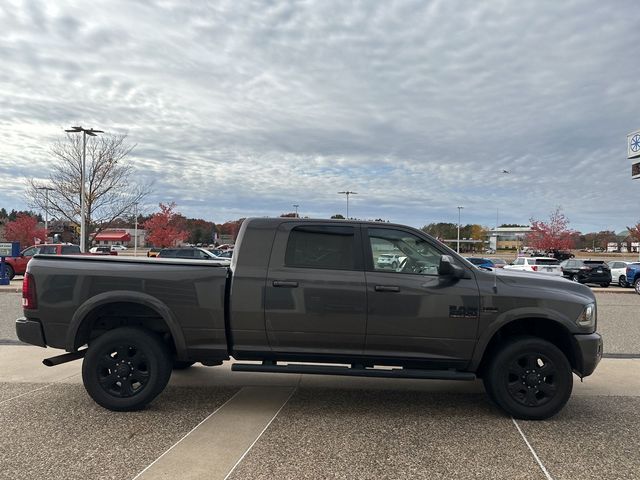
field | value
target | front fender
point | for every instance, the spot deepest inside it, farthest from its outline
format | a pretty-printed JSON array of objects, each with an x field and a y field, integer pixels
[
  {"x": 118, "y": 296},
  {"x": 505, "y": 318}
]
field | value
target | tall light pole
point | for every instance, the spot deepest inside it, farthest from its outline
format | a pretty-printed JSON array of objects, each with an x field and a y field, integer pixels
[
  {"x": 458, "y": 247},
  {"x": 46, "y": 211},
  {"x": 83, "y": 227},
  {"x": 295, "y": 205},
  {"x": 347, "y": 193}
]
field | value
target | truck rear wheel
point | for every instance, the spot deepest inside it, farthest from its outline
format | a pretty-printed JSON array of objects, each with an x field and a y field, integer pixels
[
  {"x": 529, "y": 378},
  {"x": 126, "y": 368}
]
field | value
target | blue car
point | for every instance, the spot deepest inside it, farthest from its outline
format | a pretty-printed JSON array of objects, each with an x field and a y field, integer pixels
[{"x": 481, "y": 262}]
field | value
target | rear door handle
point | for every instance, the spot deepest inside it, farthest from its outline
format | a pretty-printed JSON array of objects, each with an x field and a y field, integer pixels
[
  {"x": 387, "y": 288},
  {"x": 284, "y": 284}
]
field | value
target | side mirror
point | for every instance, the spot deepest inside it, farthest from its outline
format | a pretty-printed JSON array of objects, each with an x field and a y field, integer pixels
[{"x": 448, "y": 268}]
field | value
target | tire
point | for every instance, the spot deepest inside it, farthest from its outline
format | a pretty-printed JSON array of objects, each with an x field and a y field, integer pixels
[
  {"x": 529, "y": 378},
  {"x": 575, "y": 278},
  {"x": 604, "y": 285},
  {"x": 9, "y": 271},
  {"x": 126, "y": 368},
  {"x": 636, "y": 286},
  {"x": 181, "y": 364},
  {"x": 622, "y": 281}
]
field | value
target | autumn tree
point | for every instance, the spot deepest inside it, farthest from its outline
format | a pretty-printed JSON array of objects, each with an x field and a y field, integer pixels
[
  {"x": 200, "y": 231},
  {"x": 24, "y": 229},
  {"x": 231, "y": 228},
  {"x": 111, "y": 187},
  {"x": 634, "y": 231},
  {"x": 166, "y": 228},
  {"x": 552, "y": 235}
]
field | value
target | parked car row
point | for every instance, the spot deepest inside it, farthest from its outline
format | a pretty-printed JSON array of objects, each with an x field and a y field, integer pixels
[
  {"x": 17, "y": 265},
  {"x": 196, "y": 253},
  {"x": 577, "y": 270}
]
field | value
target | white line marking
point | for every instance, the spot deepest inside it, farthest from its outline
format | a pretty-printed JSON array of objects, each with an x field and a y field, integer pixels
[
  {"x": 188, "y": 433},
  {"x": 37, "y": 389},
  {"x": 263, "y": 430},
  {"x": 535, "y": 455}
]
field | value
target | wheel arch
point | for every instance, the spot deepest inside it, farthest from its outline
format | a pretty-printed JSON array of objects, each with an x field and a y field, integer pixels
[
  {"x": 132, "y": 308},
  {"x": 548, "y": 329}
]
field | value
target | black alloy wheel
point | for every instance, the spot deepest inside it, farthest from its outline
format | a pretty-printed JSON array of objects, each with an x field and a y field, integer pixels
[
  {"x": 529, "y": 378},
  {"x": 126, "y": 368},
  {"x": 575, "y": 278},
  {"x": 636, "y": 286},
  {"x": 622, "y": 281}
]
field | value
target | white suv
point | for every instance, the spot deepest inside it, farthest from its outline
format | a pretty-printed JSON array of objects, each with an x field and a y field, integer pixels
[
  {"x": 390, "y": 260},
  {"x": 546, "y": 265}
]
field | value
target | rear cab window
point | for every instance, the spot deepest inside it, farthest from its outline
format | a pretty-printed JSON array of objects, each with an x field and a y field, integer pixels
[{"x": 325, "y": 247}]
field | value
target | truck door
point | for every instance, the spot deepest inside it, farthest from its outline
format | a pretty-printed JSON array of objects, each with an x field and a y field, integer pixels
[
  {"x": 315, "y": 295},
  {"x": 414, "y": 313}
]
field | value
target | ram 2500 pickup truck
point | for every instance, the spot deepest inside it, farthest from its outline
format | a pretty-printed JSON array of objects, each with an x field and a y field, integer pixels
[{"x": 309, "y": 296}]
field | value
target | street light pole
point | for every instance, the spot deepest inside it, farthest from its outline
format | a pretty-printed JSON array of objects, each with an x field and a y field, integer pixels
[
  {"x": 458, "y": 246},
  {"x": 92, "y": 133},
  {"x": 347, "y": 193},
  {"x": 295, "y": 205},
  {"x": 46, "y": 211}
]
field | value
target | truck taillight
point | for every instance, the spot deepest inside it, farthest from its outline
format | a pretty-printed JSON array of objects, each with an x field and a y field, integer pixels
[
  {"x": 534, "y": 268},
  {"x": 29, "y": 301}
]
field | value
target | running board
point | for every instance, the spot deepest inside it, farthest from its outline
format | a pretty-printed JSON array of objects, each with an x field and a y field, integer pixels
[{"x": 352, "y": 371}]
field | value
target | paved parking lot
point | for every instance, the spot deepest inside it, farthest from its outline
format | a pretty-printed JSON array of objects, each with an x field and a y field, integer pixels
[{"x": 316, "y": 426}]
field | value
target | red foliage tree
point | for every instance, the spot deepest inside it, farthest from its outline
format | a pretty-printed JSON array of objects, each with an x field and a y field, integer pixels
[
  {"x": 231, "y": 228},
  {"x": 24, "y": 229},
  {"x": 552, "y": 235},
  {"x": 166, "y": 228}
]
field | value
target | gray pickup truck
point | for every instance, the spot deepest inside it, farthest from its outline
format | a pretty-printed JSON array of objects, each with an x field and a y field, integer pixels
[{"x": 309, "y": 296}]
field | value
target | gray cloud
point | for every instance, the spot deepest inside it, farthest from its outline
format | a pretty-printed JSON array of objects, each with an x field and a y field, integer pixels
[{"x": 244, "y": 108}]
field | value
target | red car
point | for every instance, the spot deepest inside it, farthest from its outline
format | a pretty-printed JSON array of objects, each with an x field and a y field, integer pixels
[{"x": 18, "y": 265}]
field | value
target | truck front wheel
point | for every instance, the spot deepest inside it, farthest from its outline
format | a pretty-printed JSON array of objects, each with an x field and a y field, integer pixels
[
  {"x": 126, "y": 368},
  {"x": 529, "y": 378}
]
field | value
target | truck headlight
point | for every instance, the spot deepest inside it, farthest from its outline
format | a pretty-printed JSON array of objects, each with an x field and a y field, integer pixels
[{"x": 588, "y": 316}]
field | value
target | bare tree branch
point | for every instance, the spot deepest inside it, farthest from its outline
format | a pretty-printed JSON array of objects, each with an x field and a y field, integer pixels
[{"x": 111, "y": 189}]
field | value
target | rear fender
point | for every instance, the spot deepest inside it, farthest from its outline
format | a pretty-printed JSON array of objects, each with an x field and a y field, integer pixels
[{"x": 118, "y": 296}]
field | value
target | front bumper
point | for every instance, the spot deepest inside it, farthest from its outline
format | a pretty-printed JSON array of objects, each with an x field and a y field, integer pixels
[
  {"x": 30, "y": 331},
  {"x": 588, "y": 348}
]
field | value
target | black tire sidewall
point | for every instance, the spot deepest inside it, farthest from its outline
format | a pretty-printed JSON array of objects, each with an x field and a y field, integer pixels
[
  {"x": 158, "y": 357},
  {"x": 9, "y": 272},
  {"x": 497, "y": 371}
]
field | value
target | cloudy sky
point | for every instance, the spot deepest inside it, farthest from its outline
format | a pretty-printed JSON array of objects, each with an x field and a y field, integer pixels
[{"x": 244, "y": 108}]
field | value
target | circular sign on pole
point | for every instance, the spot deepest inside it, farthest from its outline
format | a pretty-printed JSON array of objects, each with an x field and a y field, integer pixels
[{"x": 633, "y": 145}]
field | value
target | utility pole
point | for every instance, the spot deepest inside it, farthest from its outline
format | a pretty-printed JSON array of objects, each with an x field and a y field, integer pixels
[
  {"x": 46, "y": 211},
  {"x": 347, "y": 193},
  {"x": 295, "y": 205},
  {"x": 458, "y": 247},
  {"x": 83, "y": 203}
]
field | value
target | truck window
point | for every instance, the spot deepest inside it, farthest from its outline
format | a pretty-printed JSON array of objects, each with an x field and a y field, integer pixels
[
  {"x": 415, "y": 255},
  {"x": 328, "y": 247},
  {"x": 48, "y": 250},
  {"x": 70, "y": 250}
]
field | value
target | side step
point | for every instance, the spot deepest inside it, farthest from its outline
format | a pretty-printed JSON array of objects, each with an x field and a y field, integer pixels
[{"x": 353, "y": 371}]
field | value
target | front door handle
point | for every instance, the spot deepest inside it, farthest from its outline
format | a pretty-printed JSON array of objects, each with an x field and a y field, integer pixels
[
  {"x": 387, "y": 288},
  {"x": 284, "y": 284}
]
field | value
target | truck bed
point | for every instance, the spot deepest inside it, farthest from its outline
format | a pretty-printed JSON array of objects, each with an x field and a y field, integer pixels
[{"x": 192, "y": 291}]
